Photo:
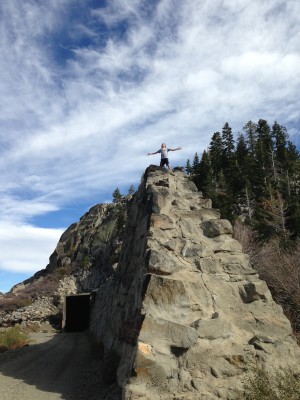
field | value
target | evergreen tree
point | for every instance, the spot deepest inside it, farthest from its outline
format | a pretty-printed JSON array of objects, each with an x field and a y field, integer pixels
[
  {"x": 117, "y": 196},
  {"x": 292, "y": 180},
  {"x": 188, "y": 167},
  {"x": 196, "y": 163},
  {"x": 262, "y": 173},
  {"x": 264, "y": 145},
  {"x": 293, "y": 159},
  {"x": 242, "y": 161},
  {"x": 250, "y": 136},
  {"x": 280, "y": 137},
  {"x": 131, "y": 190},
  {"x": 229, "y": 164},
  {"x": 271, "y": 218},
  {"x": 263, "y": 167},
  {"x": 216, "y": 154},
  {"x": 121, "y": 218},
  {"x": 242, "y": 153},
  {"x": 228, "y": 144},
  {"x": 203, "y": 178}
]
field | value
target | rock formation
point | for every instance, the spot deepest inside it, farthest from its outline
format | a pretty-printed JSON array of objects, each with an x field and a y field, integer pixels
[
  {"x": 179, "y": 310},
  {"x": 185, "y": 315},
  {"x": 85, "y": 257}
]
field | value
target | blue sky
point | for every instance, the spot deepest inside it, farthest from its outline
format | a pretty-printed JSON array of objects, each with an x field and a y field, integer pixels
[{"x": 89, "y": 87}]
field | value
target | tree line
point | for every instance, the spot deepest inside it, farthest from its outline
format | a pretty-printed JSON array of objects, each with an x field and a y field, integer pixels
[{"x": 255, "y": 177}]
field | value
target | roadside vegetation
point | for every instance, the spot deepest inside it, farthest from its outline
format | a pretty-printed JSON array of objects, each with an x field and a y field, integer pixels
[
  {"x": 13, "y": 338},
  {"x": 282, "y": 385}
]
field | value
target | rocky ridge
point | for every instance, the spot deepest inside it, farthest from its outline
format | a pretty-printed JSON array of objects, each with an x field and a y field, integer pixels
[
  {"x": 185, "y": 315},
  {"x": 84, "y": 258}
]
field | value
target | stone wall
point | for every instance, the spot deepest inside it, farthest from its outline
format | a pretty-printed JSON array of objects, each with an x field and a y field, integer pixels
[{"x": 185, "y": 315}]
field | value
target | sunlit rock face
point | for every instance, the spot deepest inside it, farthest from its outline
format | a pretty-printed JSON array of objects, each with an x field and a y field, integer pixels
[{"x": 185, "y": 314}]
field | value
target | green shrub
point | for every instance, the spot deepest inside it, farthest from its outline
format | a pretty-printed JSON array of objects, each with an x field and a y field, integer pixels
[
  {"x": 13, "y": 338},
  {"x": 282, "y": 385}
]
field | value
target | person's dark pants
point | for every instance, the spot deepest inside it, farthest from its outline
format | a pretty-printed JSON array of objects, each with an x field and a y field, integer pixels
[{"x": 164, "y": 161}]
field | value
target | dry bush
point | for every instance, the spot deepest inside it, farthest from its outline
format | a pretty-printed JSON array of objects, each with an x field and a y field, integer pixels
[
  {"x": 281, "y": 270},
  {"x": 279, "y": 267},
  {"x": 12, "y": 304},
  {"x": 248, "y": 239},
  {"x": 282, "y": 385},
  {"x": 13, "y": 338}
]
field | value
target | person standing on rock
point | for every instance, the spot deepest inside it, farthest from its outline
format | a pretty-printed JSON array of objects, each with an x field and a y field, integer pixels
[{"x": 164, "y": 155}]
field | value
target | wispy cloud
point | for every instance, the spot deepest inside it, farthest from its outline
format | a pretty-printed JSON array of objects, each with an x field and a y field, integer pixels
[
  {"x": 86, "y": 92},
  {"x": 33, "y": 244}
]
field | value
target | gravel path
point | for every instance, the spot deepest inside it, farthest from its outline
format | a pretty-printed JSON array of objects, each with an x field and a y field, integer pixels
[{"x": 58, "y": 366}]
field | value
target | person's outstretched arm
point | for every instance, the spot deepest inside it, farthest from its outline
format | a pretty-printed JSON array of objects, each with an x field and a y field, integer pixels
[
  {"x": 178, "y": 148},
  {"x": 151, "y": 154}
]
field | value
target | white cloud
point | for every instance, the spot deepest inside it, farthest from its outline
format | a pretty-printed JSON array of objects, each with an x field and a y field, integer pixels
[
  {"x": 25, "y": 248},
  {"x": 77, "y": 117}
]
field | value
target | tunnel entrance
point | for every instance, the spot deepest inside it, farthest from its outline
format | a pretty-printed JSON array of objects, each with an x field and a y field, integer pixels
[{"x": 76, "y": 316}]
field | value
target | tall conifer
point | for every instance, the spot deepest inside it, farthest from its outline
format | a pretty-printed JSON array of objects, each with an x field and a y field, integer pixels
[{"x": 216, "y": 154}]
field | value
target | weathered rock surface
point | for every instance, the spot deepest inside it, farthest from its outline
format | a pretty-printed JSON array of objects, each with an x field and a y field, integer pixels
[
  {"x": 83, "y": 259},
  {"x": 180, "y": 311},
  {"x": 185, "y": 315}
]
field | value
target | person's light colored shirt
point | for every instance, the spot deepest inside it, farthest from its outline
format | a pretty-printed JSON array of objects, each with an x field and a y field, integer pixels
[{"x": 164, "y": 152}]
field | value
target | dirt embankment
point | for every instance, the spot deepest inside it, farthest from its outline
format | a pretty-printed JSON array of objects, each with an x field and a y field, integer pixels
[{"x": 57, "y": 366}]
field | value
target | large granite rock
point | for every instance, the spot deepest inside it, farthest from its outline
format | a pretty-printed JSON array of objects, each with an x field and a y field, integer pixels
[{"x": 186, "y": 315}]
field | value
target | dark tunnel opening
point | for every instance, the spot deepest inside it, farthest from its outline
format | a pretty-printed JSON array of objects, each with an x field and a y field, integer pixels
[{"x": 77, "y": 313}]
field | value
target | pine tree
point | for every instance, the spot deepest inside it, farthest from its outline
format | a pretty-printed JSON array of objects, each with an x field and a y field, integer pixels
[
  {"x": 229, "y": 163},
  {"x": 117, "y": 196},
  {"x": 280, "y": 136},
  {"x": 203, "y": 178},
  {"x": 293, "y": 159},
  {"x": 188, "y": 167},
  {"x": 250, "y": 136},
  {"x": 196, "y": 163},
  {"x": 242, "y": 162},
  {"x": 242, "y": 153},
  {"x": 262, "y": 168},
  {"x": 228, "y": 144},
  {"x": 262, "y": 173},
  {"x": 264, "y": 145},
  {"x": 215, "y": 154},
  {"x": 292, "y": 180},
  {"x": 121, "y": 218},
  {"x": 131, "y": 190},
  {"x": 271, "y": 217}
]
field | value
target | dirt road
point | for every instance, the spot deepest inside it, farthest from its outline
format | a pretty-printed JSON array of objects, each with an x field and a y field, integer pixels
[{"x": 59, "y": 366}]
